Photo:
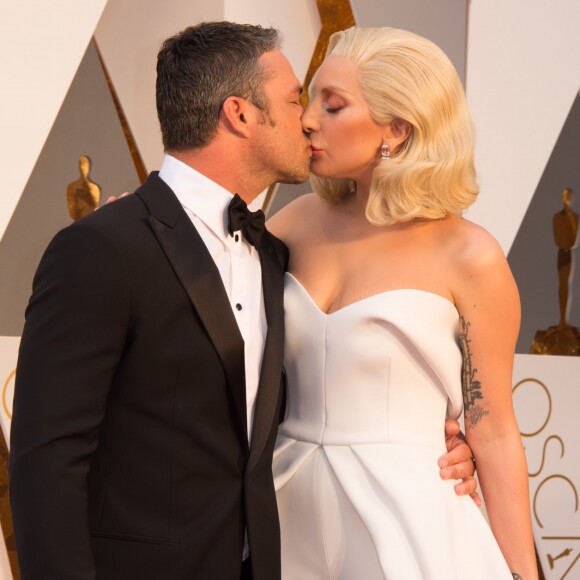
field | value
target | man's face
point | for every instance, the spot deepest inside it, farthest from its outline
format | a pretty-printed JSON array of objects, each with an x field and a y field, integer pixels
[{"x": 281, "y": 149}]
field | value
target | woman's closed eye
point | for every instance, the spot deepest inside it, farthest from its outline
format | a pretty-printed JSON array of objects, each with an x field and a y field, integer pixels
[{"x": 333, "y": 105}]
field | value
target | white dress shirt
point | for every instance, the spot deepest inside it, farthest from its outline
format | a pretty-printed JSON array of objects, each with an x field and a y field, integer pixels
[{"x": 238, "y": 262}]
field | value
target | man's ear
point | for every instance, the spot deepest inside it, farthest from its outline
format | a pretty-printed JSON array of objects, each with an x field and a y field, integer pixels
[{"x": 235, "y": 114}]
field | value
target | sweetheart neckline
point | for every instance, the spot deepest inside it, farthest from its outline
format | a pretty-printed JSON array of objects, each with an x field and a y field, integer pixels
[{"x": 370, "y": 297}]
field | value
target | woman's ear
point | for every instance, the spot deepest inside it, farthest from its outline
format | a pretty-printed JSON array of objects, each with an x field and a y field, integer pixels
[{"x": 398, "y": 131}]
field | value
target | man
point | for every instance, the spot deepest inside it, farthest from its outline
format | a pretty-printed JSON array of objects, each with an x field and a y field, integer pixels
[{"x": 149, "y": 380}]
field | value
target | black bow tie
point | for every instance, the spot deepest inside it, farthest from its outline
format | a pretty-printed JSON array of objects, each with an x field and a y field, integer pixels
[{"x": 250, "y": 222}]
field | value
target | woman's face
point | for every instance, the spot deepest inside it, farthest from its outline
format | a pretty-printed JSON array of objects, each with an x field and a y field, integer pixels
[{"x": 345, "y": 140}]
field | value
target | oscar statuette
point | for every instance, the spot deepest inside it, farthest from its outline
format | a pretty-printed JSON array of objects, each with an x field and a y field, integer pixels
[
  {"x": 82, "y": 195},
  {"x": 562, "y": 339}
]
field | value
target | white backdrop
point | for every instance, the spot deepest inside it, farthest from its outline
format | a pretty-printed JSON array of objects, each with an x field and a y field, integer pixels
[{"x": 523, "y": 74}]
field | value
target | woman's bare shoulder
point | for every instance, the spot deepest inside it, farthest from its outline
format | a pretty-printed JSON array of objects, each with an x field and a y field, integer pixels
[
  {"x": 296, "y": 217},
  {"x": 480, "y": 270},
  {"x": 479, "y": 250},
  {"x": 470, "y": 247}
]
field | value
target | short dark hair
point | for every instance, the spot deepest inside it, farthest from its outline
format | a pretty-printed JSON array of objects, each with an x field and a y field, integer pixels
[{"x": 199, "y": 68}]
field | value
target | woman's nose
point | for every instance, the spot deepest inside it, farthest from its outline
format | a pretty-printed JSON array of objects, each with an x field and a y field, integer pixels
[{"x": 309, "y": 121}]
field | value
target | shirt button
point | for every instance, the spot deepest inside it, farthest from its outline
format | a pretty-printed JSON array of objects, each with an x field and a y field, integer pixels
[
  {"x": 238, "y": 306},
  {"x": 237, "y": 238}
]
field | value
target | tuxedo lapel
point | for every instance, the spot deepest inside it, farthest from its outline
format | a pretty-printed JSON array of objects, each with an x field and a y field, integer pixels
[
  {"x": 201, "y": 280},
  {"x": 270, "y": 376}
]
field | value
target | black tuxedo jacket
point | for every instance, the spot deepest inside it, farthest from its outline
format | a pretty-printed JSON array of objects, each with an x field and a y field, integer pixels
[{"x": 129, "y": 450}]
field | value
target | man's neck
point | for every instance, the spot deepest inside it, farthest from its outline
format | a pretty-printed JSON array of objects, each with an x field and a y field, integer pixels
[{"x": 221, "y": 169}]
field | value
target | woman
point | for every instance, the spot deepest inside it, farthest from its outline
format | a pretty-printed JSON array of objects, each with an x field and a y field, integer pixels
[{"x": 395, "y": 308}]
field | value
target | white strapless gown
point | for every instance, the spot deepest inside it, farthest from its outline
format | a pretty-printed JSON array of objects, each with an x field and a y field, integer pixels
[{"x": 355, "y": 466}]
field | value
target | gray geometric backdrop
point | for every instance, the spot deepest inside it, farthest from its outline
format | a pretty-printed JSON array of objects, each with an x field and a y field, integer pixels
[
  {"x": 533, "y": 254},
  {"x": 87, "y": 124}
]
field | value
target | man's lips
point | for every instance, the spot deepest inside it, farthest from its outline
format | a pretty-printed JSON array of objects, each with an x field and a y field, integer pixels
[{"x": 315, "y": 151}]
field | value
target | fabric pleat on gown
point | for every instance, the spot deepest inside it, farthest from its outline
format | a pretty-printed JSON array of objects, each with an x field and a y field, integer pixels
[{"x": 358, "y": 486}]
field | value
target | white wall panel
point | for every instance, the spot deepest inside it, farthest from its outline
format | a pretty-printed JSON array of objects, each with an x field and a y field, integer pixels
[
  {"x": 129, "y": 37},
  {"x": 523, "y": 74},
  {"x": 42, "y": 44}
]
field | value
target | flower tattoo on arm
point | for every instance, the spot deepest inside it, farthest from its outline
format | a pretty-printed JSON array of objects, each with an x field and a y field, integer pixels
[{"x": 472, "y": 391}]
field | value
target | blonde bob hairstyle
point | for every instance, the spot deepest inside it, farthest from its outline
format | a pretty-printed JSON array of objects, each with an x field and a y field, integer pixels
[{"x": 405, "y": 76}]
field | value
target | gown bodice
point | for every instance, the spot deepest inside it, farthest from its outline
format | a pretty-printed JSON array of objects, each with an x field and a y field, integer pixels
[{"x": 386, "y": 368}]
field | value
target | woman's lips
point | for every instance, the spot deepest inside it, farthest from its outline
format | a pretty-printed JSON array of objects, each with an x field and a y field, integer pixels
[{"x": 315, "y": 152}]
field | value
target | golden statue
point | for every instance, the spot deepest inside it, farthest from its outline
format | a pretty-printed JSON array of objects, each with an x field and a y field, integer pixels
[
  {"x": 562, "y": 339},
  {"x": 82, "y": 195}
]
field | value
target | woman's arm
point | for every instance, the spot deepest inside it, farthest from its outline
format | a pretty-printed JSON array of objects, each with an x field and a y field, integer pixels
[{"x": 488, "y": 303}]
